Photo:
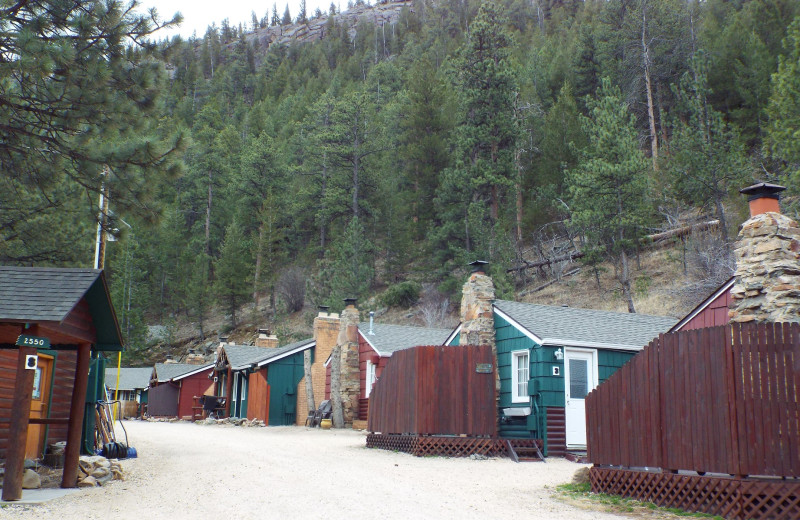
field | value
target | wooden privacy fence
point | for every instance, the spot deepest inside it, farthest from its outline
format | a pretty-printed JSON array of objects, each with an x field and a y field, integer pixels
[
  {"x": 717, "y": 400},
  {"x": 445, "y": 390}
]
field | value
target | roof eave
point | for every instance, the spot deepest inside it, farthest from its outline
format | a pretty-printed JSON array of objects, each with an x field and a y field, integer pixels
[
  {"x": 555, "y": 342},
  {"x": 517, "y": 325},
  {"x": 299, "y": 348}
]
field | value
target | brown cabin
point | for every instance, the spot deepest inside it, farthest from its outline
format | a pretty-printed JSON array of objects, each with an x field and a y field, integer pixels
[{"x": 69, "y": 314}]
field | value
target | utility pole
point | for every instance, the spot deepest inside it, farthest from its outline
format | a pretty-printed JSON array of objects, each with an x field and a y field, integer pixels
[{"x": 100, "y": 243}]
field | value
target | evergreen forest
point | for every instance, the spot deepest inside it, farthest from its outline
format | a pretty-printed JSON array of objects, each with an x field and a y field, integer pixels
[{"x": 380, "y": 158}]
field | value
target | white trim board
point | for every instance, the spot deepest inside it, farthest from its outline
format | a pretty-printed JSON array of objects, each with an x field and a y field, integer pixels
[
  {"x": 370, "y": 344},
  {"x": 517, "y": 325},
  {"x": 452, "y": 335},
  {"x": 555, "y": 342},
  {"x": 288, "y": 353},
  {"x": 187, "y": 374}
]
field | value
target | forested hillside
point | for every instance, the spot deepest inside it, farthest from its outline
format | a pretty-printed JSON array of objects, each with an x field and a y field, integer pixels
[{"x": 371, "y": 158}]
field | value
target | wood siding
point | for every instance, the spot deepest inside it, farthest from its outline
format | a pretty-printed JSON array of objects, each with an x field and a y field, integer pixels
[
  {"x": 721, "y": 400},
  {"x": 713, "y": 315},
  {"x": 435, "y": 391},
  {"x": 192, "y": 386},
  {"x": 163, "y": 401},
  {"x": 61, "y": 397},
  {"x": 258, "y": 398},
  {"x": 556, "y": 432}
]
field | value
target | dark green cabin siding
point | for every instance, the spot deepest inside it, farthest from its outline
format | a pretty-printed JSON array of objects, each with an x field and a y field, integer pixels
[
  {"x": 509, "y": 339},
  {"x": 283, "y": 376},
  {"x": 609, "y": 361}
]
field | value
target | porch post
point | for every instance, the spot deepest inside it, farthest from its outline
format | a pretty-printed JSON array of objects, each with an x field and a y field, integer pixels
[
  {"x": 73, "y": 449},
  {"x": 18, "y": 429}
]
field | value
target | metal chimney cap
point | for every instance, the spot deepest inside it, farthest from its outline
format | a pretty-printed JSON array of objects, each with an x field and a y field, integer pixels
[
  {"x": 324, "y": 308},
  {"x": 264, "y": 331},
  {"x": 350, "y": 301},
  {"x": 479, "y": 266},
  {"x": 762, "y": 190},
  {"x": 371, "y": 314}
]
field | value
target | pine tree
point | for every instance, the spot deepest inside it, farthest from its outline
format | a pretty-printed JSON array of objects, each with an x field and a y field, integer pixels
[
  {"x": 302, "y": 15},
  {"x": 287, "y": 17},
  {"x": 275, "y": 18},
  {"x": 609, "y": 194},
  {"x": 485, "y": 141},
  {"x": 76, "y": 98},
  {"x": 708, "y": 160},
  {"x": 782, "y": 140},
  {"x": 233, "y": 282}
]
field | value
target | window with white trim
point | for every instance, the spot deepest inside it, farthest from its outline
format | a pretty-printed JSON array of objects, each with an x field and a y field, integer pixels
[
  {"x": 370, "y": 379},
  {"x": 519, "y": 376}
]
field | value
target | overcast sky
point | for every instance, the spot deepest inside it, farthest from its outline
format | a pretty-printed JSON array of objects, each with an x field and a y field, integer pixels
[{"x": 199, "y": 14}]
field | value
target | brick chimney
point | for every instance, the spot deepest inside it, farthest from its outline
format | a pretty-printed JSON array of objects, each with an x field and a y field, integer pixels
[
  {"x": 344, "y": 360},
  {"x": 767, "y": 284},
  {"x": 266, "y": 339},
  {"x": 326, "y": 331}
]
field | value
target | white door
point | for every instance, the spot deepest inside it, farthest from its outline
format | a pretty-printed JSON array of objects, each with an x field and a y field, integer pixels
[{"x": 580, "y": 377}]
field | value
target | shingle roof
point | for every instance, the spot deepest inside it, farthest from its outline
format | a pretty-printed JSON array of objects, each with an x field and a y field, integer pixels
[
  {"x": 391, "y": 338},
  {"x": 573, "y": 325},
  {"x": 241, "y": 356},
  {"x": 42, "y": 293},
  {"x": 129, "y": 378},
  {"x": 48, "y": 294},
  {"x": 168, "y": 371},
  {"x": 244, "y": 356}
]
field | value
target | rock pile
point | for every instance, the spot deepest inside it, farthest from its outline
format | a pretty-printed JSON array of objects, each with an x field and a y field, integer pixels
[
  {"x": 97, "y": 470},
  {"x": 233, "y": 422}
]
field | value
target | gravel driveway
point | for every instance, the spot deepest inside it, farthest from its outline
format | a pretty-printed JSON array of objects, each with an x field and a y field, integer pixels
[{"x": 187, "y": 470}]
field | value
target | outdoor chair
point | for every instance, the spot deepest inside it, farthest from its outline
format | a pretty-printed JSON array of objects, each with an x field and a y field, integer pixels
[
  {"x": 210, "y": 404},
  {"x": 316, "y": 416}
]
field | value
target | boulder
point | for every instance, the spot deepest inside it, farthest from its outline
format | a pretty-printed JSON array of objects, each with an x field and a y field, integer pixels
[
  {"x": 31, "y": 480},
  {"x": 87, "y": 482}
]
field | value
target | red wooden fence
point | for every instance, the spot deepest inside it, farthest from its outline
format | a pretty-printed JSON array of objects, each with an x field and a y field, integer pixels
[
  {"x": 720, "y": 400},
  {"x": 441, "y": 390}
]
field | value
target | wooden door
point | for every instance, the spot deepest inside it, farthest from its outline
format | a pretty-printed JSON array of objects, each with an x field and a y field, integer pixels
[
  {"x": 580, "y": 377},
  {"x": 40, "y": 402}
]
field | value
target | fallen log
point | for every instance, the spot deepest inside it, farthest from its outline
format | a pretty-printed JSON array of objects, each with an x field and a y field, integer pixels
[{"x": 647, "y": 240}]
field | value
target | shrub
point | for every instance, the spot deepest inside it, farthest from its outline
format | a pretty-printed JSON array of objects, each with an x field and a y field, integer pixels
[{"x": 403, "y": 294}]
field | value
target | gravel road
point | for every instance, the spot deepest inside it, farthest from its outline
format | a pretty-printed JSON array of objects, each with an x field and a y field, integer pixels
[{"x": 187, "y": 470}]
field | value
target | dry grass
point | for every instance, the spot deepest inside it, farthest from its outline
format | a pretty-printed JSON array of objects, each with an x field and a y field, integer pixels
[{"x": 657, "y": 288}]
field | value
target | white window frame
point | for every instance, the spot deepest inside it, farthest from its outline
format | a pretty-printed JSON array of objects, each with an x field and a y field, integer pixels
[
  {"x": 516, "y": 397},
  {"x": 369, "y": 379}
]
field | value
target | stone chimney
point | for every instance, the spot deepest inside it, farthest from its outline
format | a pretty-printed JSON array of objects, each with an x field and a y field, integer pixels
[
  {"x": 193, "y": 358},
  {"x": 477, "y": 317},
  {"x": 767, "y": 284},
  {"x": 266, "y": 339},
  {"x": 326, "y": 331},
  {"x": 344, "y": 362}
]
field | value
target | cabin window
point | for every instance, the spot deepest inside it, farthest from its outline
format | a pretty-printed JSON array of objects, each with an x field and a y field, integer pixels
[
  {"x": 370, "y": 380},
  {"x": 519, "y": 376}
]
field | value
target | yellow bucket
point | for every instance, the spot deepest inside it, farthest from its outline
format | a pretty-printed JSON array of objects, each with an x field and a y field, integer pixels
[{"x": 325, "y": 424}]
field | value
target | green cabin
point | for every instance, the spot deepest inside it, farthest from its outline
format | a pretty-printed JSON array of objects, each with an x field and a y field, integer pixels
[{"x": 550, "y": 358}]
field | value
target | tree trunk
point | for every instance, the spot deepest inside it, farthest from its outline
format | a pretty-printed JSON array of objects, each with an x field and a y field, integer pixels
[
  {"x": 259, "y": 256},
  {"x": 625, "y": 282},
  {"x": 208, "y": 218},
  {"x": 649, "y": 89},
  {"x": 336, "y": 387},
  {"x": 322, "y": 225},
  {"x": 517, "y": 160},
  {"x": 309, "y": 382},
  {"x": 356, "y": 145}
]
